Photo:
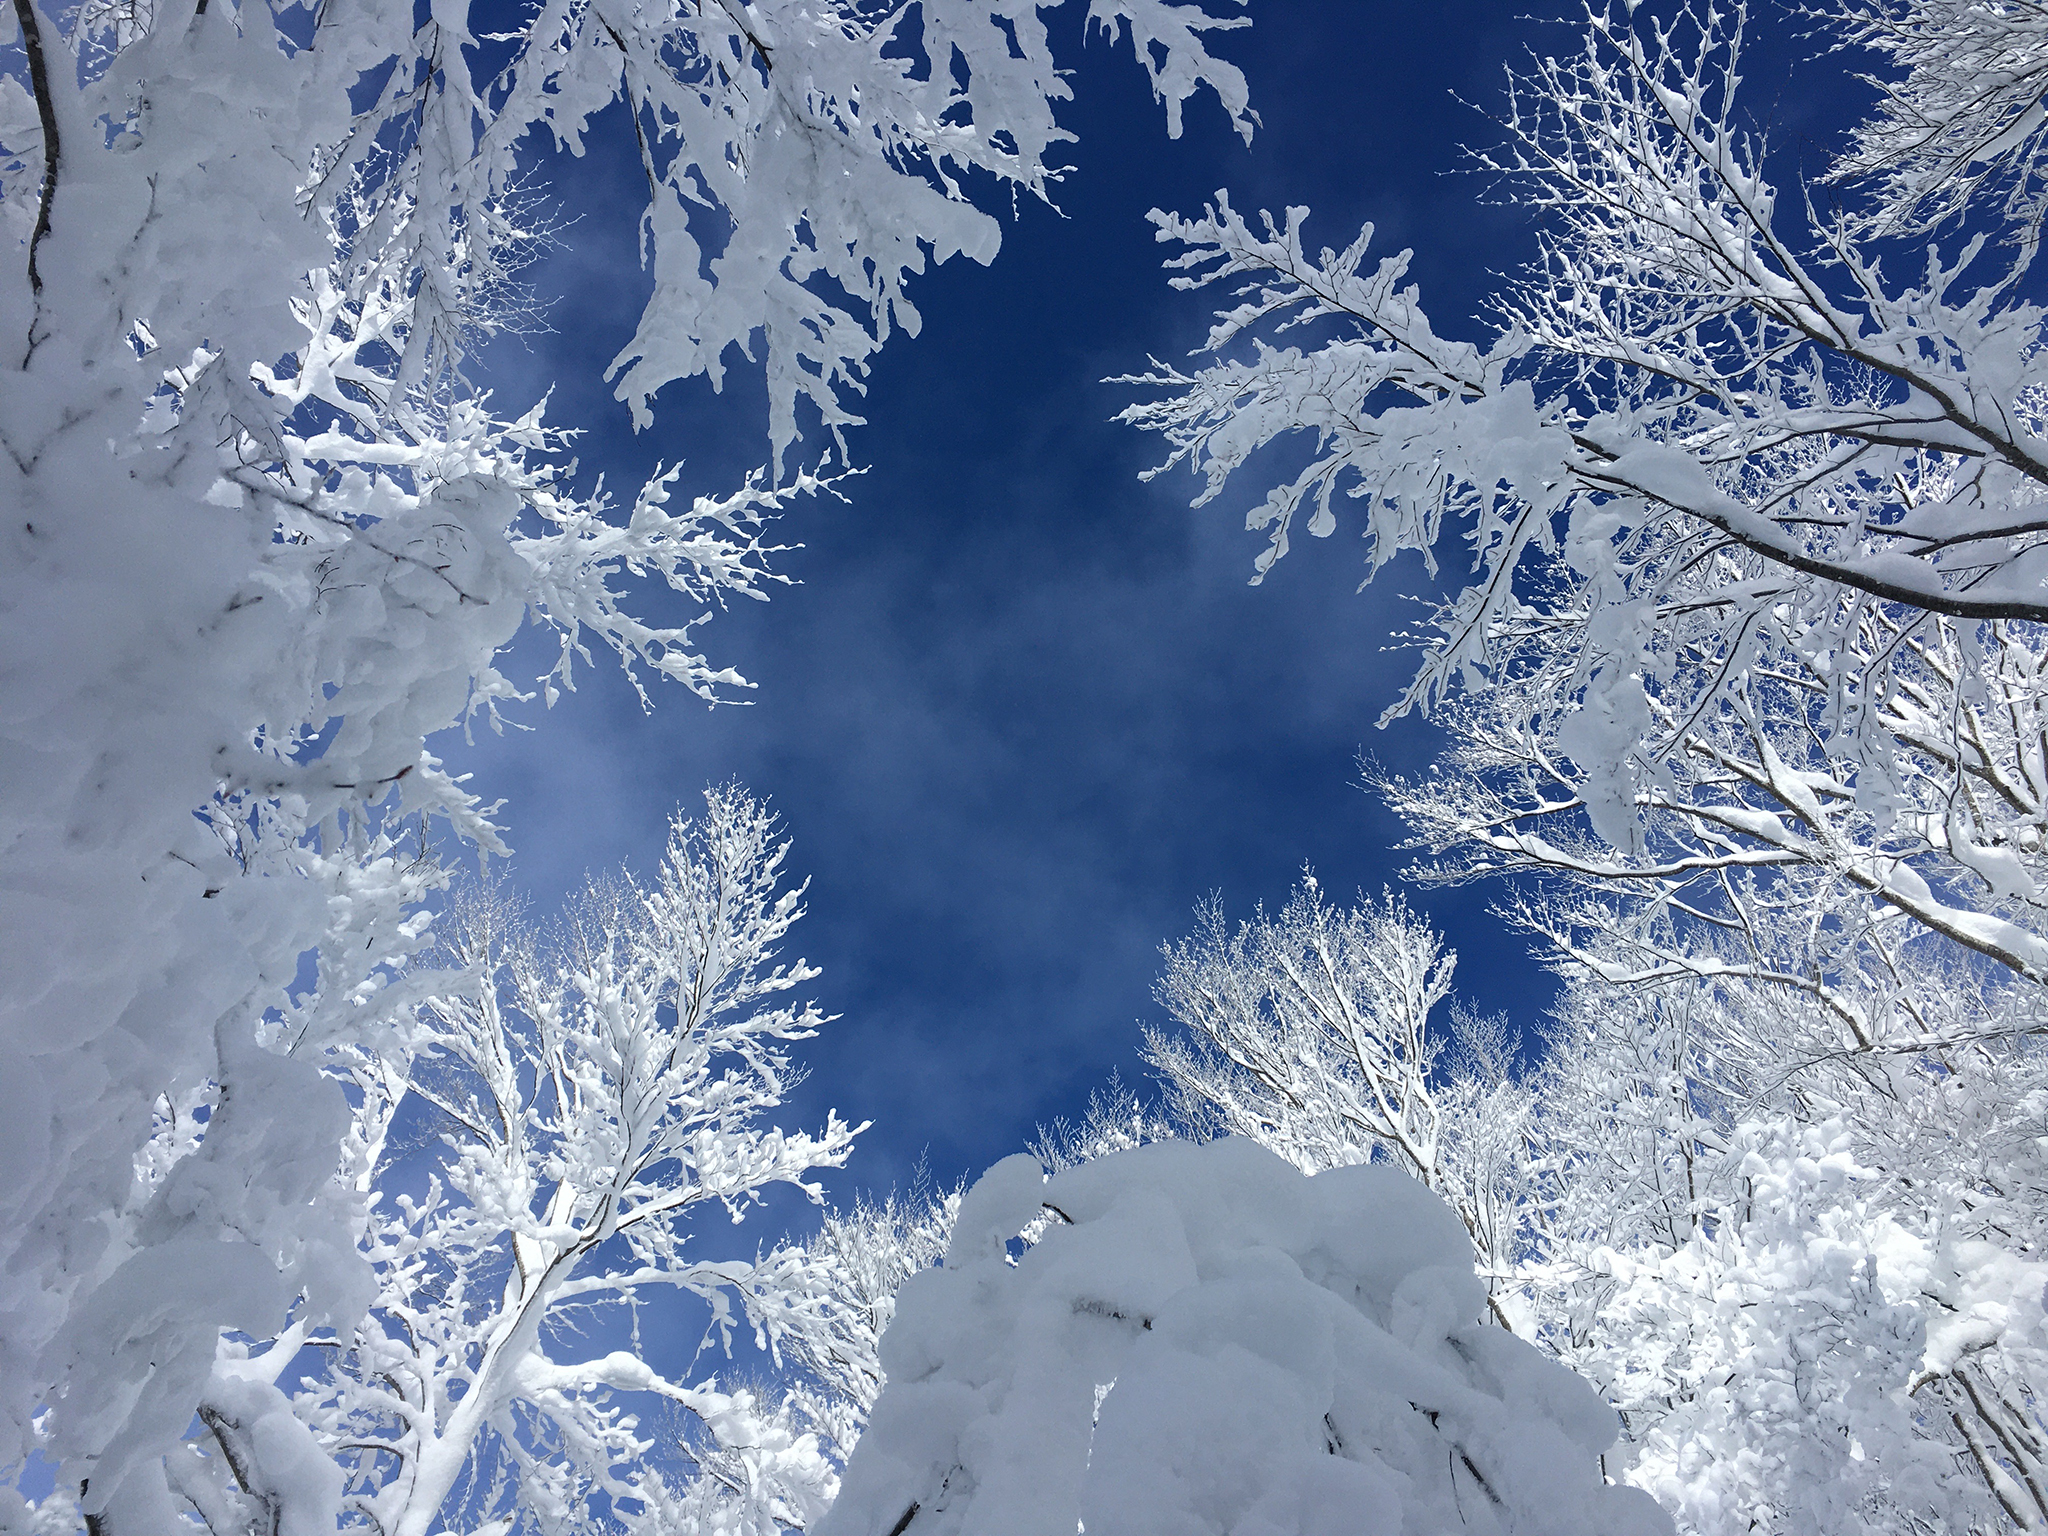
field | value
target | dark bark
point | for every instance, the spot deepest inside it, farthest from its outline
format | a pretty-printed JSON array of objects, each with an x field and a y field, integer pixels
[{"x": 46, "y": 108}]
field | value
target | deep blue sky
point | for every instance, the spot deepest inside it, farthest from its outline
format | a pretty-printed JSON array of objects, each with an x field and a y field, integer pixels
[{"x": 1024, "y": 711}]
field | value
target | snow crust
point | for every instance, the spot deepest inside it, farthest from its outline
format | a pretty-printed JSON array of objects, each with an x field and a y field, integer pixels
[{"x": 1205, "y": 1340}]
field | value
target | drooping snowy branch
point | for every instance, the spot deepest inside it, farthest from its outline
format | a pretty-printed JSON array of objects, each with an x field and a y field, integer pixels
[{"x": 1728, "y": 376}]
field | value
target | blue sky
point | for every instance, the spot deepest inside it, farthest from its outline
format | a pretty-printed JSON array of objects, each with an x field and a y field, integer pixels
[{"x": 1024, "y": 711}]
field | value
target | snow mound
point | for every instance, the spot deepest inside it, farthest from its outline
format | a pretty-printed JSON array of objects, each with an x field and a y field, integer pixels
[{"x": 1208, "y": 1341}]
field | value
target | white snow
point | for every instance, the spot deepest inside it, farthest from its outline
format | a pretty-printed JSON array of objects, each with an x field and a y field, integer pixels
[{"x": 1205, "y": 1341}]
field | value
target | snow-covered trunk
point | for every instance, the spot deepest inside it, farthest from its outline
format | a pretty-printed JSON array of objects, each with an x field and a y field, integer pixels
[{"x": 444, "y": 1450}]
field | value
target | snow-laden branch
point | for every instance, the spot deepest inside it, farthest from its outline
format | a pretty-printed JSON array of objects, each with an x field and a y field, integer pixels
[{"x": 1698, "y": 363}]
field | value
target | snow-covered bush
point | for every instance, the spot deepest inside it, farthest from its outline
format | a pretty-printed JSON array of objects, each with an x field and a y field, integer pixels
[{"x": 1207, "y": 1342}]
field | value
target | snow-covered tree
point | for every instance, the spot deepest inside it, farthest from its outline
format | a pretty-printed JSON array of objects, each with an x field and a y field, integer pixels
[
  {"x": 1312, "y": 1032},
  {"x": 1820, "y": 864},
  {"x": 266, "y": 532},
  {"x": 1744, "y": 685},
  {"x": 1205, "y": 1339},
  {"x": 1697, "y": 372},
  {"x": 579, "y": 1103},
  {"x": 865, "y": 1253},
  {"x": 1116, "y": 1120},
  {"x": 1814, "y": 1294},
  {"x": 1309, "y": 1031},
  {"x": 1757, "y": 560},
  {"x": 1816, "y": 1297}
]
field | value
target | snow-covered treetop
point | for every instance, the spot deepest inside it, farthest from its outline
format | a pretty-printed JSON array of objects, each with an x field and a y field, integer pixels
[{"x": 1206, "y": 1342}]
